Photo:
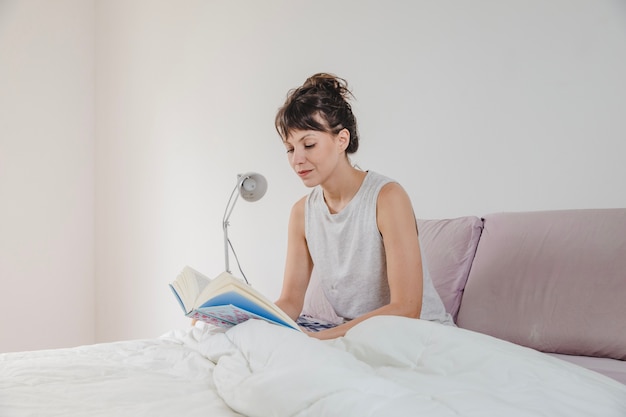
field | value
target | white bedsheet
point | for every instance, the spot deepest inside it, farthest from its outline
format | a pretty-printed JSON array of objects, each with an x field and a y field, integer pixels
[
  {"x": 391, "y": 366},
  {"x": 158, "y": 377}
]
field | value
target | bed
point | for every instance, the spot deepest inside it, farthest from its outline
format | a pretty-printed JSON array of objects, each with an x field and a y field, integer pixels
[{"x": 385, "y": 366}]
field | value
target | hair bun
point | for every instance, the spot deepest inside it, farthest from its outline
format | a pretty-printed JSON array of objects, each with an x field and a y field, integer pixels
[{"x": 328, "y": 82}]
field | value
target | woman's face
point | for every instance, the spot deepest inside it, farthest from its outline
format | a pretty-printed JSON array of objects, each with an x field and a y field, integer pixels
[{"x": 314, "y": 155}]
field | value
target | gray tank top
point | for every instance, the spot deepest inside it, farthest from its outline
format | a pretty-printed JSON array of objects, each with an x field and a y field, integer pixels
[{"x": 349, "y": 256}]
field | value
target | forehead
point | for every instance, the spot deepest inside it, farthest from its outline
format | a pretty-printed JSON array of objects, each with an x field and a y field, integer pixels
[{"x": 298, "y": 135}]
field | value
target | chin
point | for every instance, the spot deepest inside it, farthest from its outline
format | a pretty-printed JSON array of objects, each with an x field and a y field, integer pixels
[{"x": 310, "y": 182}]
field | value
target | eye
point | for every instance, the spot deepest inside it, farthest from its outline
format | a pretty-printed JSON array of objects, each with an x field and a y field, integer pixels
[
  {"x": 309, "y": 146},
  {"x": 290, "y": 150}
]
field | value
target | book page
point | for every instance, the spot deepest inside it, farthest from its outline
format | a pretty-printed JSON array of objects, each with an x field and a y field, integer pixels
[
  {"x": 226, "y": 283},
  {"x": 230, "y": 315},
  {"x": 206, "y": 317},
  {"x": 187, "y": 285}
]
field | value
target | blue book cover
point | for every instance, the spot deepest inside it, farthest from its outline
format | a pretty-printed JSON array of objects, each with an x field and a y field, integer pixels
[{"x": 235, "y": 299}]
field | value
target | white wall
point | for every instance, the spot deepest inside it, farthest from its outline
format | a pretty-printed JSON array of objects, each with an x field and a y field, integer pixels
[
  {"x": 474, "y": 107},
  {"x": 46, "y": 174}
]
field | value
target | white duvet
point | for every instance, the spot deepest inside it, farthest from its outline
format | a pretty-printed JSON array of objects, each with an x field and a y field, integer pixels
[
  {"x": 386, "y": 366},
  {"x": 391, "y": 366},
  {"x": 164, "y": 376}
]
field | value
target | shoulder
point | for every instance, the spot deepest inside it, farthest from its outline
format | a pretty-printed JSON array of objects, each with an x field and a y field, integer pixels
[
  {"x": 392, "y": 192},
  {"x": 376, "y": 179},
  {"x": 388, "y": 191},
  {"x": 296, "y": 218},
  {"x": 392, "y": 188},
  {"x": 393, "y": 204},
  {"x": 298, "y": 206}
]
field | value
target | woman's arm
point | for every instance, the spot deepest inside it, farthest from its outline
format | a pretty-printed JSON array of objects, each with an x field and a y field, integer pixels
[
  {"x": 396, "y": 223},
  {"x": 298, "y": 265}
]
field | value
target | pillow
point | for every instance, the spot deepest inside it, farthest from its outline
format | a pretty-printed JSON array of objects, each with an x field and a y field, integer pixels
[
  {"x": 449, "y": 246},
  {"x": 554, "y": 281},
  {"x": 316, "y": 304}
]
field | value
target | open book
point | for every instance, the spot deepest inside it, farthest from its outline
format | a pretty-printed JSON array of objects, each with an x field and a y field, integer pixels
[{"x": 225, "y": 300}]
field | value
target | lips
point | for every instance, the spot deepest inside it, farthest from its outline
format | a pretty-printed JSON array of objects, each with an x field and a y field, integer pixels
[{"x": 304, "y": 173}]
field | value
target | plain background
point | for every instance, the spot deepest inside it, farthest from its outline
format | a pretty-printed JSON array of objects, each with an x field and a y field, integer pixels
[{"x": 123, "y": 125}]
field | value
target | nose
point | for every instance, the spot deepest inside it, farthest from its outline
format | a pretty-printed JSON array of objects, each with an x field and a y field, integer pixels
[{"x": 297, "y": 157}]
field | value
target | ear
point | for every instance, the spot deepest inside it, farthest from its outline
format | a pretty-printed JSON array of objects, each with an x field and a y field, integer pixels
[{"x": 343, "y": 139}]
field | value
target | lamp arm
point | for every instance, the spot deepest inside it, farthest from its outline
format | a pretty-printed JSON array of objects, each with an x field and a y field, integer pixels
[
  {"x": 226, "y": 266},
  {"x": 227, "y": 212},
  {"x": 254, "y": 191}
]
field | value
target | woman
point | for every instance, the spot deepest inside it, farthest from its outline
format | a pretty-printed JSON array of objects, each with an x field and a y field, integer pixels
[{"x": 356, "y": 230}]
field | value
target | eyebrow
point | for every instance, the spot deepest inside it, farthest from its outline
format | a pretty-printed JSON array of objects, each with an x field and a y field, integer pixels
[{"x": 307, "y": 134}]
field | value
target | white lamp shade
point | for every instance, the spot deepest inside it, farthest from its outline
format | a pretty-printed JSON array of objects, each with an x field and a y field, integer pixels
[{"x": 252, "y": 186}]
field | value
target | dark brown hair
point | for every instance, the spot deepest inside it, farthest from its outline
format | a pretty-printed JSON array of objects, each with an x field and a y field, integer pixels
[{"x": 321, "y": 104}]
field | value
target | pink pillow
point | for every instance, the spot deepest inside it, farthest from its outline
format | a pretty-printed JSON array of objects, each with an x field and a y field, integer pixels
[
  {"x": 316, "y": 304},
  {"x": 448, "y": 246},
  {"x": 554, "y": 281}
]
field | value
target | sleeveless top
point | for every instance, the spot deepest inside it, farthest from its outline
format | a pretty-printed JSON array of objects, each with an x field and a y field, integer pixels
[{"x": 349, "y": 256}]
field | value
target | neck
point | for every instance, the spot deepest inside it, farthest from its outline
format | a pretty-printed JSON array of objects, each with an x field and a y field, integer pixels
[{"x": 339, "y": 191}]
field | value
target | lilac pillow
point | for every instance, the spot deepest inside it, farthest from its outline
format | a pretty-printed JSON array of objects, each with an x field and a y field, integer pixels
[
  {"x": 449, "y": 246},
  {"x": 554, "y": 281},
  {"x": 316, "y": 304}
]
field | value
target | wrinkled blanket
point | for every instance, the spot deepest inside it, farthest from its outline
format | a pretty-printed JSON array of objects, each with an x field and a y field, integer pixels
[
  {"x": 158, "y": 377},
  {"x": 392, "y": 366}
]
